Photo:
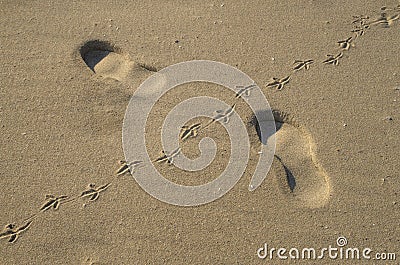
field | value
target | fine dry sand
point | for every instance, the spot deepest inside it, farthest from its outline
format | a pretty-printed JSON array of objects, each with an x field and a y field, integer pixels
[{"x": 69, "y": 69}]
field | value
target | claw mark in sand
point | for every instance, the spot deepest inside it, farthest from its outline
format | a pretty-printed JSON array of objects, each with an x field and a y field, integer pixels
[
  {"x": 53, "y": 201},
  {"x": 360, "y": 25},
  {"x": 385, "y": 21},
  {"x": 222, "y": 115},
  {"x": 359, "y": 19},
  {"x": 168, "y": 157},
  {"x": 190, "y": 131},
  {"x": 302, "y": 64},
  {"x": 346, "y": 44},
  {"x": 244, "y": 90},
  {"x": 360, "y": 30},
  {"x": 279, "y": 83},
  {"x": 385, "y": 8},
  {"x": 12, "y": 233},
  {"x": 125, "y": 167},
  {"x": 333, "y": 59},
  {"x": 93, "y": 193}
]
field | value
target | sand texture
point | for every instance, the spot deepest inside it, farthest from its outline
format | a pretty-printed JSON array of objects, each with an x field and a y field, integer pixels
[{"x": 70, "y": 68}]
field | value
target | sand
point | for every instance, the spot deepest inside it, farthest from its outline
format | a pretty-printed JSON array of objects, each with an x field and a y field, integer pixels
[{"x": 336, "y": 171}]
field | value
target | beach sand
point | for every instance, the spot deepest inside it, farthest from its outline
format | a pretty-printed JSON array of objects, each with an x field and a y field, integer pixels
[{"x": 337, "y": 170}]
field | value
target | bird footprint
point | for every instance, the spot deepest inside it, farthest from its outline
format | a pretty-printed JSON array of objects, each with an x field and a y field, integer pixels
[
  {"x": 92, "y": 192},
  {"x": 53, "y": 202},
  {"x": 12, "y": 232}
]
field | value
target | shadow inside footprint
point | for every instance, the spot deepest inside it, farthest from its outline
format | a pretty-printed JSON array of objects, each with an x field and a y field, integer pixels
[
  {"x": 291, "y": 181},
  {"x": 255, "y": 124},
  {"x": 108, "y": 60},
  {"x": 94, "y": 51},
  {"x": 92, "y": 58},
  {"x": 298, "y": 172}
]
